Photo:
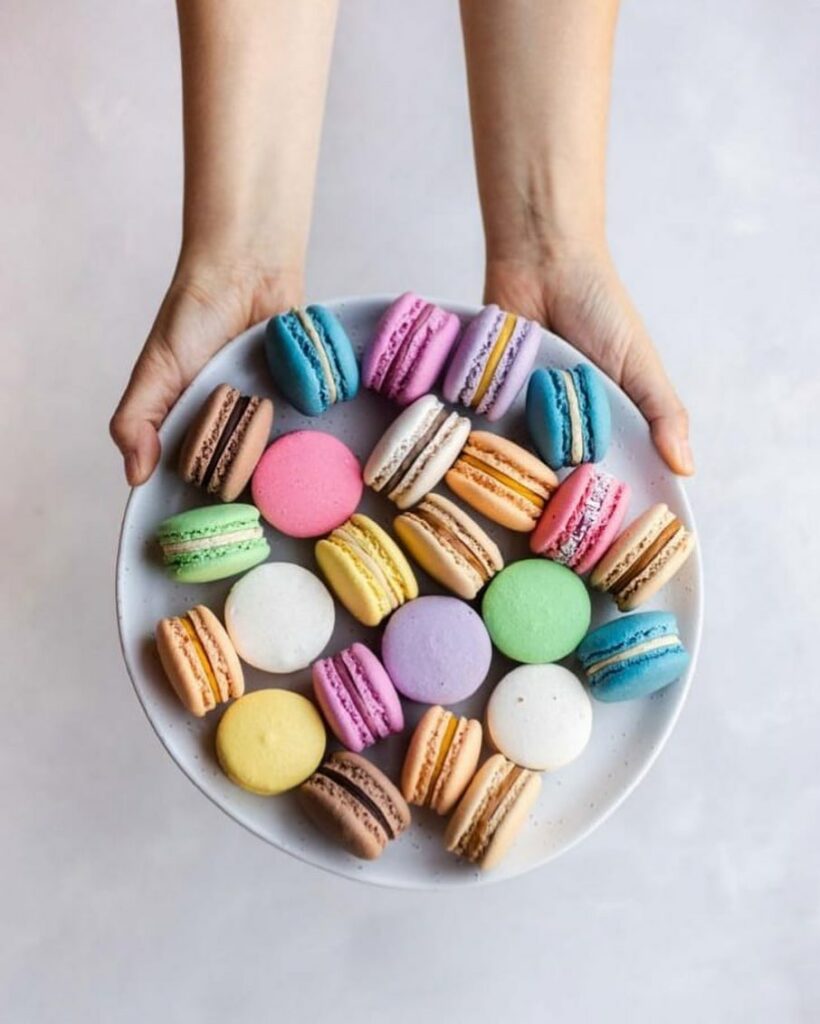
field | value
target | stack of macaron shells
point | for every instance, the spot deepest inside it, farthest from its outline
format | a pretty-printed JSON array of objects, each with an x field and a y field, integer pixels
[{"x": 435, "y": 650}]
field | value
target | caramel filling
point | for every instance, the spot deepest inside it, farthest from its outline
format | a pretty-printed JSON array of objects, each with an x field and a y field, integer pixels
[
  {"x": 496, "y": 353},
  {"x": 642, "y": 562},
  {"x": 190, "y": 629},
  {"x": 502, "y": 478},
  {"x": 443, "y": 750},
  {"x": 447, "y": 535},
  {"x": 477, "y": 839}
]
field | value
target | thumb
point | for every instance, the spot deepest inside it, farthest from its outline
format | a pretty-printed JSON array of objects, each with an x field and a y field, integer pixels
[
  {"x": 155, "y": 384},
  {"x": 645, "y": 381}
]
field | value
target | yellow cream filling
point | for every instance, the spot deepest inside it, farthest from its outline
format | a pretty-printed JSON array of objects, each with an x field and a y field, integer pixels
[
  {"x": 633, "y": 652},
  {"x": 444, "y": 747},
  {"x": 502, "y": 478},
  {"x": 189, "y": 628},
  {"x": 313, "y": 334},
  {"x": 575, "y": 430},
  {"x": 495, "y": 357}
]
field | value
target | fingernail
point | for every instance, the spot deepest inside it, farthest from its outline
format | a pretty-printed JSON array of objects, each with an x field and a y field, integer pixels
[
  {"x": 132, "y": 468},
  {"x": 685, "y": 455}
]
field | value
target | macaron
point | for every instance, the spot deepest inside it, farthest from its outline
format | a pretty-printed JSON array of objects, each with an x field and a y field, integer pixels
[
  {"x": 491, "y": 361},
  {"x": 441, "y": 759},
  {"x": 649, "y": 552},
  {"x": 536, "y": 611},
  {"x": 502, "y": 481},
  {"x": 582, "y": 519},
  {"x": 212, "y": 542},
  {"x": 539, "y": 716},
  {"x": 280, "y": 617},
  {"x": 311, "y": 359},
  {"x": 307, "y": 483},
  {"x": 449, "y": 545},
  {"x": 633, "y": 656},
  {"x": 355, "y": 804},
  {"x": 357, "y": 697},
  {"x": 225, "y": 441},
  {"x": 412, "y": 342},
  {"x": 366, "y": 570},
  {"x": 492, "y": 812},
  {"x": 568, "y": 415},
  {"x": 270, "y": 741},
  {"x": 416, "y": 451},
  {"x": 199, "y": 660},
  {"x": 436, "y": 650}
]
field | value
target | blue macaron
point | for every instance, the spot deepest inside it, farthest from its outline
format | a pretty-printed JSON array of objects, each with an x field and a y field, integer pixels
[
  {"x": 568, "y": 415},
  {"x": 633, "y": 656},
  {"x": 311, "y": 359}
]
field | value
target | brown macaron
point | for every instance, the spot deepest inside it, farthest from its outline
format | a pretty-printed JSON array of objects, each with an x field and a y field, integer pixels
[
  {"x": 355, "y": 804},
  {"x": 492, "y": 811},
  {"x": 199, "y": 660},
  {"x": 225, "y": 442},
  {"x": 441, "y": 759}
]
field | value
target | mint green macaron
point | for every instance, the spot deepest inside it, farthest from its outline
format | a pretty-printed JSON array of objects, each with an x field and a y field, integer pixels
[
  {"x": 212, "y": 542},
  {"x": 536, "y": 611}
]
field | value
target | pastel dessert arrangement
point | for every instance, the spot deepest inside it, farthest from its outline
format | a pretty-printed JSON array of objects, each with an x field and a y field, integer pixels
[{"x": 433, "y": 649}]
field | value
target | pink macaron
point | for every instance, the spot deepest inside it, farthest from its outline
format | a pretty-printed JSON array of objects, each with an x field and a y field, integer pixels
[
  {"x": 492, "y": 361},
  {"x": 357, "y": 697},
  {"x": 412, "y": 342},
  {"x": 582, "y": 518},
  {"x": 307, "y": 483}
]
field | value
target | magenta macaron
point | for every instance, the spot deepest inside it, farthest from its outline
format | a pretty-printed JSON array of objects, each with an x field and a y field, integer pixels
[
  {"x": 492, "y": 361},
  {"x": 357, "y": 697},
  {"x": 582, "y": 518},
  {"x": 412, "y": 342},
  {"x": 307, "y": 483}
]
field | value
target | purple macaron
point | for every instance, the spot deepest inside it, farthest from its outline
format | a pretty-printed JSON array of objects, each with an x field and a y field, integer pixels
[
  {"x": 412, "y": 342},
  {"x": 357, "y": 697},
  {"x": 437, "y": 650},
  {"x": 492, "y": 361}
]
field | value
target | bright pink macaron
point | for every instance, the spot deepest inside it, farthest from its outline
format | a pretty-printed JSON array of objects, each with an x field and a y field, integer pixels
[
  {"x": 412, "y": 342},
  {"x": 581, "y": 519},
  {"x": 357, "y": 697},
  {"x": 492, "y": 361},
  {"x": 307, "y": 483}
]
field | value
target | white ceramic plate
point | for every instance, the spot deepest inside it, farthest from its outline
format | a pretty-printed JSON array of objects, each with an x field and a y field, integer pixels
[{"x": 626, "y": 738}]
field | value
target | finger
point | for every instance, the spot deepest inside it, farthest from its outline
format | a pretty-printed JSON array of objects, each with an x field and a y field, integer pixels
[
  {"x": 155, "y": 384},
  {"x": 647, "y": 384}
]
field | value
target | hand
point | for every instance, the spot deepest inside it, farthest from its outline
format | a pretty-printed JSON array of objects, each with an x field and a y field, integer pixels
[
  {"x": 204, "y": 308},
  {"x": 581, "y": 298}
]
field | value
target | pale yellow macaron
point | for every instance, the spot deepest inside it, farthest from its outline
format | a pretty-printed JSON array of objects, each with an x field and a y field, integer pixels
[{"x": 270, "y": 740}]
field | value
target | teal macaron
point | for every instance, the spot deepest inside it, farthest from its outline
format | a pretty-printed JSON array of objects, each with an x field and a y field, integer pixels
[
  {"x": 212, "y": 543},
  {"x": 536, "y": 611},
  {"x": 568, "y": 415},
  {"x": 311, "y": 359}
]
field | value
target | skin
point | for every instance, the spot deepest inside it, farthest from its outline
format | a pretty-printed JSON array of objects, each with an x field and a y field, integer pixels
[{"x": 254, "y": 82}]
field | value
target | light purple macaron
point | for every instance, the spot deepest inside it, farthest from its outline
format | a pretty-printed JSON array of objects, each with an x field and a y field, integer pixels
[
  {"x": 511, "y": 343},
  {"x": 436, "y": 650},
  {"x": 412, "y": 342},
  {"x": 357, "y": 697}
]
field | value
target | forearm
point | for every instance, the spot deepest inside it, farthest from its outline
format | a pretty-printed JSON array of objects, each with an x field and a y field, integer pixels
[
  {"x": 539, "y": 74},
  {"x": 254, "y": 79}
]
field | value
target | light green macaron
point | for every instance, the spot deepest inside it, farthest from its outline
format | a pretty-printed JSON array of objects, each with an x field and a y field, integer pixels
[{"x": 212, "y": 542}]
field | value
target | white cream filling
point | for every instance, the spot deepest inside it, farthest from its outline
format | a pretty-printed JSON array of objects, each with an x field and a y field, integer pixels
[
  {"x": 576, "y": 434},
  {"x": 657, "y": 644},
  {"x": 217, "y": 541},
  {"x": 313, "y": 334}
]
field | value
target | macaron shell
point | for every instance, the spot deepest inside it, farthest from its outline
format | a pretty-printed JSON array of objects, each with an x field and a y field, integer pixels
[
  {"x": 661, "y": 570},
  {"x": 270, "y": 741},
  {"x": 298, "y": 376},
  {"x": 598, "y": 414},
  {"x": 343, "y": 356},
  {"x": 459, "y": 766},
  {"x": 546, "y": 419},
  {"x": 225, "y": 663},
  {"x": 511, "y": 825},
  {"x": 613, "y": 515},
  {"x": 307, "y": 483},
  {"x": 182, "y": 668},
  {"x": 642, "y": 677},
  {"x": 204, "y": 432},
  {"x": 467, "y": 351},
  {"x": 244, "y": 452}
]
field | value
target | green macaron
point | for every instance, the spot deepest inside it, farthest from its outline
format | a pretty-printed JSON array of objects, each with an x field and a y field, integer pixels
[
  {"x": 212, "y": 542},
  {"x": 536, "y": 611}
]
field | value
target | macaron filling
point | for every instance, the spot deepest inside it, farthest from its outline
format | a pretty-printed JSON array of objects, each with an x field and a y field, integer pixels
[
  {"x": 312, "y": 331},
  {"x": 355, "y": 541},
  {"x": 450, "y": 535},
  {"x": 209, "y": 542},
  {"x": 493, "y": 359},
  {"x": 225, "y": 437},
  {"x": 576, "y": 430},
  {"x": 637, "y": 650},
  {"x": 358, "y": 794},
  {"x": 504, "y": 367},
  {"x": 507, "y": 481},
  {"x": 501, "y": 795},
  {"x": 190, "y": 629},
  {"x": 450, "y": 727},
  {"x": 670, "y": 531},
  {"x": 415, "y": 452}
]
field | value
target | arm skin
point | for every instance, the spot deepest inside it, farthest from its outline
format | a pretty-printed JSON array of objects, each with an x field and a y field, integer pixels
[
  {"x": 539, "y": 79},
  {"x": 254, "y": 77}
]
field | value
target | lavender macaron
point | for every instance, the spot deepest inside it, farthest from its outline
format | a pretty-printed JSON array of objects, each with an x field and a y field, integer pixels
[
  {"x": 357, "y": 697},
  {"x": 492, "y": 361},
  {"x": 436, "y": 650}
]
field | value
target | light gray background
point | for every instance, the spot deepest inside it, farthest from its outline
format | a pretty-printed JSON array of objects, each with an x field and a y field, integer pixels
[{"x": 125, "y": 895}]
